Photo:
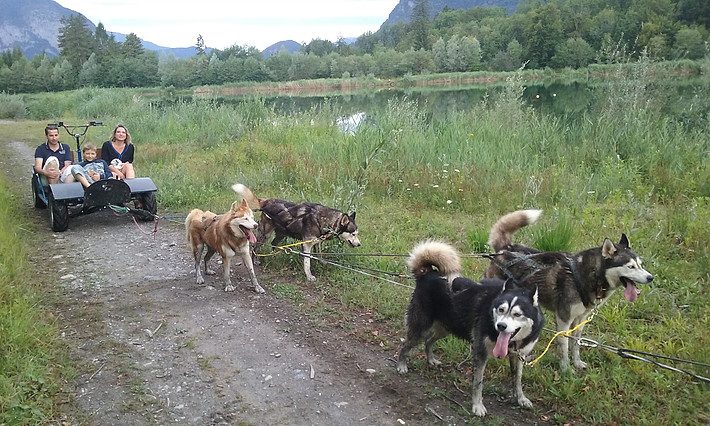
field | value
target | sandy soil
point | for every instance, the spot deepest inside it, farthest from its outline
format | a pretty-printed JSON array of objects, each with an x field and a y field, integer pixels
[{"x": 152, "y": 347}]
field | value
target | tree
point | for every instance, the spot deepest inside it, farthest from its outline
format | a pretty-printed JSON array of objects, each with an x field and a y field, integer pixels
[
  {"x": 89, "y": 74},
  {"x": 453, "y": 54},
  {"x": 543, "y": 32},
  {"x": 421, "y": 26},
  {"x": 76, "y": 43},
  {"x": 278, "y": 65},
  {"x": 132, "y": 47},
  {"x": 689, "y": 43},
  {"x": 62, "y": 76},
  {"x": 470, "y": 51},
  {"x": 10, "y": 56},
  {"x": 200, "y": 45},
  {"x": 438, "y": 51},
  {"x": 575, "y": 52},
  {"x": 44, "y": 73},
  {"x": 319, "y": 47}
]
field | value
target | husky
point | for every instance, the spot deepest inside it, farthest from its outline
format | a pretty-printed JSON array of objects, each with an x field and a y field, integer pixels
[
  {"x": 228, "y": 234},
  {"x": 495, "y": 316},
  {"x": 570, "y": 285},
  {"x": 310, "y": 223}
]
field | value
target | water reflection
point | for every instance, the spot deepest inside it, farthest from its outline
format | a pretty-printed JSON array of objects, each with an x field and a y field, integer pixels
[{"x": 568, "y": 102}]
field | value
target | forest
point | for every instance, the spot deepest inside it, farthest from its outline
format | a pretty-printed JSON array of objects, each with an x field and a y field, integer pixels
[{"x": 551, "y": 34}]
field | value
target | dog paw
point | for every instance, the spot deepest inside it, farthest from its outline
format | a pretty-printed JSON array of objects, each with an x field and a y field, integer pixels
[
  {"x": 580, "y": 365},
  {"x": 259, "y": 289},
  {"x": 478, "y": 409},
  {"x": 433, "y": 361},
  {"x": 210, "y": 272},
  {"x": 200, "y": 280},
  {"x": 523, "y": 401},
  {"x": 229, "y": 288},
  {"x": 402, "y": 368},
  {"x": 310, "y": 278}
]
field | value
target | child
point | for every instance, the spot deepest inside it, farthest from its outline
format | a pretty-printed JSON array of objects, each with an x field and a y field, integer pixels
[{"x": 88, "y": 171}]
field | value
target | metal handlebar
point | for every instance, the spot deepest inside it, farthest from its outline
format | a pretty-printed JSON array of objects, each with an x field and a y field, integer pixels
[{"x": 70, "y": 128}]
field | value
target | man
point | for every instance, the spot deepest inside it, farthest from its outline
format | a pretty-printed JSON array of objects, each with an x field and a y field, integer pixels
[{"x": 52, "y": 157}]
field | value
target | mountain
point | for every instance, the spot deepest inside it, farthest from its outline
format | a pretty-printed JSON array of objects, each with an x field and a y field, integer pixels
[
  {"x": 403, "y": 11},
  {"x": 289, "y": 46},
  {"x": 33, "y": 26}
]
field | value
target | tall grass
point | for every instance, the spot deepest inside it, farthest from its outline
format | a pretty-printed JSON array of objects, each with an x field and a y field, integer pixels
[
  {"x": 626, "y": 167},
  {"x": 29, "y": 352}
]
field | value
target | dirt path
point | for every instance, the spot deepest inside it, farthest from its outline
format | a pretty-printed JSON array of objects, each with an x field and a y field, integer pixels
[{"x": 154, "y": 348}]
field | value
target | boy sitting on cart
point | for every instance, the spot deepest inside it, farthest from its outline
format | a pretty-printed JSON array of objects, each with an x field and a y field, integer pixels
[{"x": 88, "y": 171}]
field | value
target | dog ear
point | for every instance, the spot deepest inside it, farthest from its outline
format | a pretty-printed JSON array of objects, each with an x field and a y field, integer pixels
[
  {"x": 352, "y": 216},
  {"x": 624, "y": 241},
  {"x": 608, "y": 249},
  {"x": 508, "y": 284}
]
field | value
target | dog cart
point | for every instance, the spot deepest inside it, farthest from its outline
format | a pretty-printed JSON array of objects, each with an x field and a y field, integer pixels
[{"x": 66, "y": 200}]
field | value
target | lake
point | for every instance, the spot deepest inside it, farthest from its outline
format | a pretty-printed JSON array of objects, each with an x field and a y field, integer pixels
[{"x": 568, "y": 102}]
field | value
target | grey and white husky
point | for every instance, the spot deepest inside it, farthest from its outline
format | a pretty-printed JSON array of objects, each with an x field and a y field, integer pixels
[
  {"x": 495, "y": 316},
  {"x": 310, "y": 223},
  {"x": 570, "y": 284}
]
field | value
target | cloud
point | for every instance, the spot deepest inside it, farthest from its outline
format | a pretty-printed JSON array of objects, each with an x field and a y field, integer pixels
[{"x": 223, "y": 23}]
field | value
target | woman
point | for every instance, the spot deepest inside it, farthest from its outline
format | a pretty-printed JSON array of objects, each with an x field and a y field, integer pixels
[{"x": 118, "y": 153}]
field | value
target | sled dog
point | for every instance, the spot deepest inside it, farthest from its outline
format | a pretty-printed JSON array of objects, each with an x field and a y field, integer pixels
[
  {"x": 228, "y": 234},
  {"x": 495, "y": 316},
  {"x": 310, "y": 223},
  {"x": 571, "y": 285}
]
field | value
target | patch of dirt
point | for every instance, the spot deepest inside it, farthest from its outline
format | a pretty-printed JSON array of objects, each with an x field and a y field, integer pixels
[{"x": 152, "y": 347}]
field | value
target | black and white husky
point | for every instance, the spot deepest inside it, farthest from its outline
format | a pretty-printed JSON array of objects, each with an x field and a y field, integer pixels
[
  {"x": 496, "y": 316},
  {"x": 570, "y": 284}
]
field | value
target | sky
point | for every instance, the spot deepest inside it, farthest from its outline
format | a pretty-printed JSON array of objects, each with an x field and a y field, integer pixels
[{"x": 224, "y": 23}]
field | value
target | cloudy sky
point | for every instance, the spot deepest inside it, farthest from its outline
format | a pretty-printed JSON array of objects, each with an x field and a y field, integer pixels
[{"x": 223, "y": 23}]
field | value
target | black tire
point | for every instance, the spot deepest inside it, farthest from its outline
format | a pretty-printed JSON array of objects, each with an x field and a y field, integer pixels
[
  {"x": 58, "y": 215},
  {"x": 39, "y": 203},
  {"x": 149, "y": 204}
]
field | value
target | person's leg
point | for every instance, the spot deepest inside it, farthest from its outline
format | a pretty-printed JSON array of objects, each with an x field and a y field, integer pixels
[
  {"x": 128, "y": 170},
  {"x": 52, "y": 163}
]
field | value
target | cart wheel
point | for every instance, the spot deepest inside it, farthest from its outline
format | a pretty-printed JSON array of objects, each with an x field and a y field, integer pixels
[
  {"x": 39, "y": 203},
  {"x": 149, "y": 204},
  {"x": 58, "y": 215}
]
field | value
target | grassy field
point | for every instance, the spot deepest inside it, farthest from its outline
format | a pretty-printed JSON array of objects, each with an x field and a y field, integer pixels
[{"x": 625, "y": 168}]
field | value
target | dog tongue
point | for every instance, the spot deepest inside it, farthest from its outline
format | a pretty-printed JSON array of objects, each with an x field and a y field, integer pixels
[
  {"x": 630, "y": 292},
  {"x": 250, "y": 235},
  {"x": 501, "y": 349}
]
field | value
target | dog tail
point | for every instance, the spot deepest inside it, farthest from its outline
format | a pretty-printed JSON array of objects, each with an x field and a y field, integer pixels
[
  {"x": 252, "y": 200},
  {"x": 195, "y": 214},
  {"x": 431, "y": 253},
  {"x": 501, "y": 235}
]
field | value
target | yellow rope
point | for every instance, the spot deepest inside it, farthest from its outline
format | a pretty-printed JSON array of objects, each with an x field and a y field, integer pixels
[
  {"x": 284, "y": 247},
  {"x": 565, "y": 333}
]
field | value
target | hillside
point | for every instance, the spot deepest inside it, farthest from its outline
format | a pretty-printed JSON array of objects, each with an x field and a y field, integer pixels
[
  {"x": 33, "y": 26},
  {"x": 403, "y": 11},
  {"x": 289, "y": 46}
]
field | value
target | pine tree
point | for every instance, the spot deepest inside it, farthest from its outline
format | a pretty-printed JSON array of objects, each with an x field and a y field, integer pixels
[
  {"x": 200, "y": 45},
  {"x": 420, "y": 25},
  {"x": 75, "y": 41}
]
